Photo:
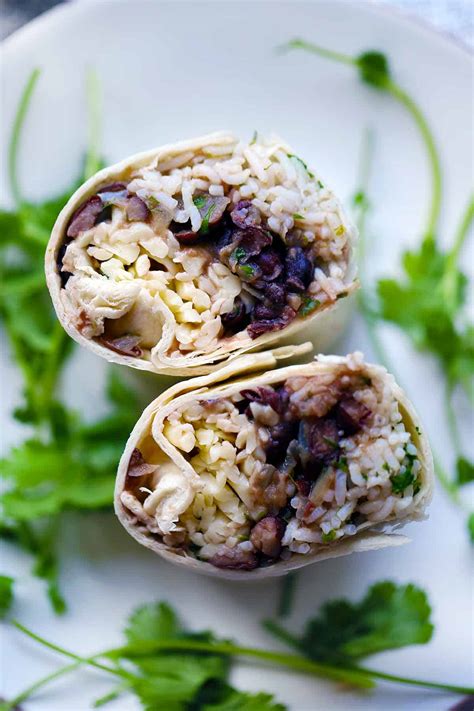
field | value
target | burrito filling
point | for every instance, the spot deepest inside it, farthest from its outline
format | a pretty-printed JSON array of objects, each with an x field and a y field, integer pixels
[
  {"x": 226, "y": 242},
  {"x": 279, "y": 470}
]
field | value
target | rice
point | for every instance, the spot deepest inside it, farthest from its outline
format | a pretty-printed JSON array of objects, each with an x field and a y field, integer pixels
[
  {"x": 292, "y": 201},
  {"x": 373, "y": 480}
]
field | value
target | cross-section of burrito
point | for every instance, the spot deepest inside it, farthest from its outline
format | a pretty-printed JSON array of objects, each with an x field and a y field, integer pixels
[
  {"x": 259, "y": 475},
  {"x": 196, "y": 252}
]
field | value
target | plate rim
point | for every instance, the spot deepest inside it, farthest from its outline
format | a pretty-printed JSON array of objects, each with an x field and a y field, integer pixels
[{"x": 390, "y": 11}]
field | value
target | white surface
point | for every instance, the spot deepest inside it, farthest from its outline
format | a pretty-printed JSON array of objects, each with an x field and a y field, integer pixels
[{"x": 177, "y": 69}]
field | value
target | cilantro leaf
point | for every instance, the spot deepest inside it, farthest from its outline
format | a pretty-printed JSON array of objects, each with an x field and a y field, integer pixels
[
  {"x": 247, "y": 270},
  {"x": 38, "y": 540},
  {"x": 169, "y": 678},
  {"x": 465, "y": 471},
  {"x": 388, "y": 617},
  {"x": 417, "y": 304},
  {"x": 402, "y": 480},
  {"x": 308, "y": 305},
  {"x": 73, "y": 469},
  {"x": 35, "y": 471},
  {"x": 238, "y": 254},
  {"x": 6, "y": 594},
  {"x": 374, "y": 69},
  {"x": 234, "y": 700},
  {"x": 200, "y": 201},
  {"x": 151, "y": 623}
]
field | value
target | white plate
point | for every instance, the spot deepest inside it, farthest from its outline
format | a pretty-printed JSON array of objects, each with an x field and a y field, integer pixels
[{"x": 178, "y": 69}]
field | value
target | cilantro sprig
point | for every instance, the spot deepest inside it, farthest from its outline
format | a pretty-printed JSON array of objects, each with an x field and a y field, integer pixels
[
  {"x": 167, "y": 666},
  {"x": 163, "y": 665},
  {"x": 374, "y": 69},
  {"x": 65, "y": 463}
]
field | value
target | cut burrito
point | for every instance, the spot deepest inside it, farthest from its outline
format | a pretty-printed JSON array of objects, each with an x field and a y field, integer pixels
[
  {"x": 272, "y": 471},
  {"x": 182, "y": 257}
]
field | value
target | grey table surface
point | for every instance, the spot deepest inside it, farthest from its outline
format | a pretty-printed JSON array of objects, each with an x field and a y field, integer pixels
[{"x": 455, "y": 17}]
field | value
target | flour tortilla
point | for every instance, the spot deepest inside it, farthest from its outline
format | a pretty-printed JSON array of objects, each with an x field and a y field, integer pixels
[
  {"x": 323, "y": 327},
  {"x": 233, "y": 378}
]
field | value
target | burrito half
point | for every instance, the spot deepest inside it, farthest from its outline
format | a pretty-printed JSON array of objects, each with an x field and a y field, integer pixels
[
  {"x": 193, "y": 253},
  {"x": 263, "y": 474}
]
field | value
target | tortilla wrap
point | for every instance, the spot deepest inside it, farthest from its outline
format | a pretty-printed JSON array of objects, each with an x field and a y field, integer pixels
[
  {"x": 162, "y": 467},
  {"x": 167, "y": 297}
]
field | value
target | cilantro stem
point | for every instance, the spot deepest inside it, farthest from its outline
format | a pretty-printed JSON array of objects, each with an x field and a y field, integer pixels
[
  {"x": 450, "y": 280},
  {"x": 16, "y": 134},
  {"x": 360, "y": 676},
  {"x": 286, "y": 637},
  {"x": 427, "y": 136},
  {"x": 30, "y": 690},
  {"x": 296, "y": 662},
  {"x": 417, "y": 682},
  {"x": 91, "y": 661},
  {"x": 287, "y": 594},
  {"x": 461, "y": 232},
  {"x": 298, "y": 43},
  {"x": 52, "y": 368},
  {"x": 92, "y": 163},
  {"x": 445, "y": 481}
]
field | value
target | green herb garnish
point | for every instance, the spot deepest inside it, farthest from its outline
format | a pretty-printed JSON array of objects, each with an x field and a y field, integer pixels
[
  {"x": 66, "y": 463},
  {"x": 6, "y": 594},
  {"x": 329, "y": 537},
  {"x": 247, "y": 270},
  {"x": 164, "y": 665},
  {"x": 331, "y": 442},
  {"x": 342, "y": 464},
  {"x": 299, "y": 160},
  {"x": 373, "y": 68},
  {"x": 464, "y": 471},
  {"x": 390, "y": 616},
  {"x": 204, "y": 229},
  {"x": 297, "y": 216},
  {"x": 167, "y": 666},
  {"x": 254, "y": 138},
  {"x": 287, "y": 592},
  {"x": 320, "y": 185},
  {"x": 308, "y": 305},
  {"x": 238, "y": 254},
  {"x": 402, "y": 480},
  {"x": 199, "y": 201}
]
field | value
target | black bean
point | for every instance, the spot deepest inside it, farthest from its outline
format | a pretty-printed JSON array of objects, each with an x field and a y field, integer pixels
[
  {"x": 266, "y": 536},
  {"x": 351, "y": 415},
  {"x": 85, "y": 216}
]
